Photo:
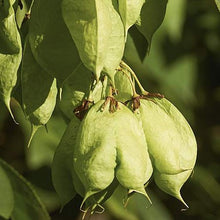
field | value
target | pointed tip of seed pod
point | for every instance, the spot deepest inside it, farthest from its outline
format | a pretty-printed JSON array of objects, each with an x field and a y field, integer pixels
[
  {"x": 8, "y": 106},
  {"x": 142, "y": 192},
  {"x": 95, "y": 210},
  {"x": 61, "y": 209},
  {"x": 180, "y": 198},
  {"x": 34, "y": 128},
  {"x": 60, "y": 93}
]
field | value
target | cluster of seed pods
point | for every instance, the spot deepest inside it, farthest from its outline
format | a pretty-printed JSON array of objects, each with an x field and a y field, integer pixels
[{"x": 119, "y": 144}]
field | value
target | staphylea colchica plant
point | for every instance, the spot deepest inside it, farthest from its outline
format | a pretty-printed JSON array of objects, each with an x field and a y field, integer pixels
[{"x": 69, "y": 53}]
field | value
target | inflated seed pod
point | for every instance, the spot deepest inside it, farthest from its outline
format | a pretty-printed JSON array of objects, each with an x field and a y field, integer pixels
[
  {"x": 89, "y": 23},
  {"x": 116, "y": 43},
  {"x": 65, "y": 180},
  {"x": 39, "y": 99},
  {"x": 172, "y": 183},
  {"x": 134, "y": 167},
  {"x": 170, "y": 139},
  {"x": 109, "y": 145},
  {"x": 95, "y": 153},
  {"x": 130, "y": 11}
]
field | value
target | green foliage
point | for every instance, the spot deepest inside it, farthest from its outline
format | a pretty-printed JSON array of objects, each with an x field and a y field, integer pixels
[
  {"x": 23, "y": 203},
  {"x": 6, "y": 191},
  {"x": 10, "y": 51},
  {"x": 118, "y": 135},
  {"x": 50, "y": 41},
  {"x": 152, "y": 15},
  {"x": 62, "y": 174}
]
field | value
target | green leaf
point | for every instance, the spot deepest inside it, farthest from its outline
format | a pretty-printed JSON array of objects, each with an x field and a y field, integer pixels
[
  {"x": 10, "y": 51},
  {"x": 116, "y": 43},
  {"x": 38, "y": 91},
  {"x": 62, "y": 166},
  {"x": 152, "y": 15},
  {"x": 217, "y": 2},
  {"x": 50, "y": 40},
  {"x": 7, "y": 196},
  {"x": 130, "y": 12},
  {"x": 27, "y": 205},
  {"x": 90, "y": 25}
]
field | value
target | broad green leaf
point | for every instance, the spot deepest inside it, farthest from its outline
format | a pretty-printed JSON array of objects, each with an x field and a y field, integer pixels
[
  {"x": 7, "y": 196},
  {"x": 50, "y": 41},
  {"x": 38, "y": 91},
  {"x": 218, "y": 4},
  {"x": 62, "y": 166},
  {"x": 130, "y": 12},
  {"x": 10, "y": 51},
  {"x": 116, "y": 43},
  {"x": 90, "y": 25},
  {"x": 27, "y": 205},
  {"x": 152, "y": 15}
]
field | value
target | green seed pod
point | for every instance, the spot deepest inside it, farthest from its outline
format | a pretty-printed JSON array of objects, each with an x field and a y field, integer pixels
[
  {"x": 10, "y": 52},
  {"x": 39, "y": 99},
  {"x": 50, "y": 40},
  {"x": 170, "y": 139},
  {"x": 134, "y": 167},
  {"x": 89, "y": 23},
  {"x": 171, "y": 142},
  {"x": 123, "y": 85},
  {"x": 172, "y": 184},
  {"x": 95, "y": 154},
  {"x": 106, "y": 140},
  {"x": 116, "y": 43},
  {"x": 65, "y": 180},
  {"x": 130, "y": 12},
  {"x": 75, "y": 89}
]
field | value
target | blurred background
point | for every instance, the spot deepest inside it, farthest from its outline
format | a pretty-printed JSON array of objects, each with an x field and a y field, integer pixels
[{"x": 184, "y": 65}]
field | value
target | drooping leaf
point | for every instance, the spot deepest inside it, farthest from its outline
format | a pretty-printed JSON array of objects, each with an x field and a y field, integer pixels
[
  {"x": 50, "y": 41},
  {"x": 90, "y": 25},
  {"x": 130, "y": 12},
  {"x": 116, "y": 43},
  {"x": 27, "y": 205},
  {"x": 7, "y": 196},
  {"x": 152, "y": 15},
  {"x": 10, "y": 51},
  {"x": 38, "y": 91},
  {"x": 62, "y": 166}
]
